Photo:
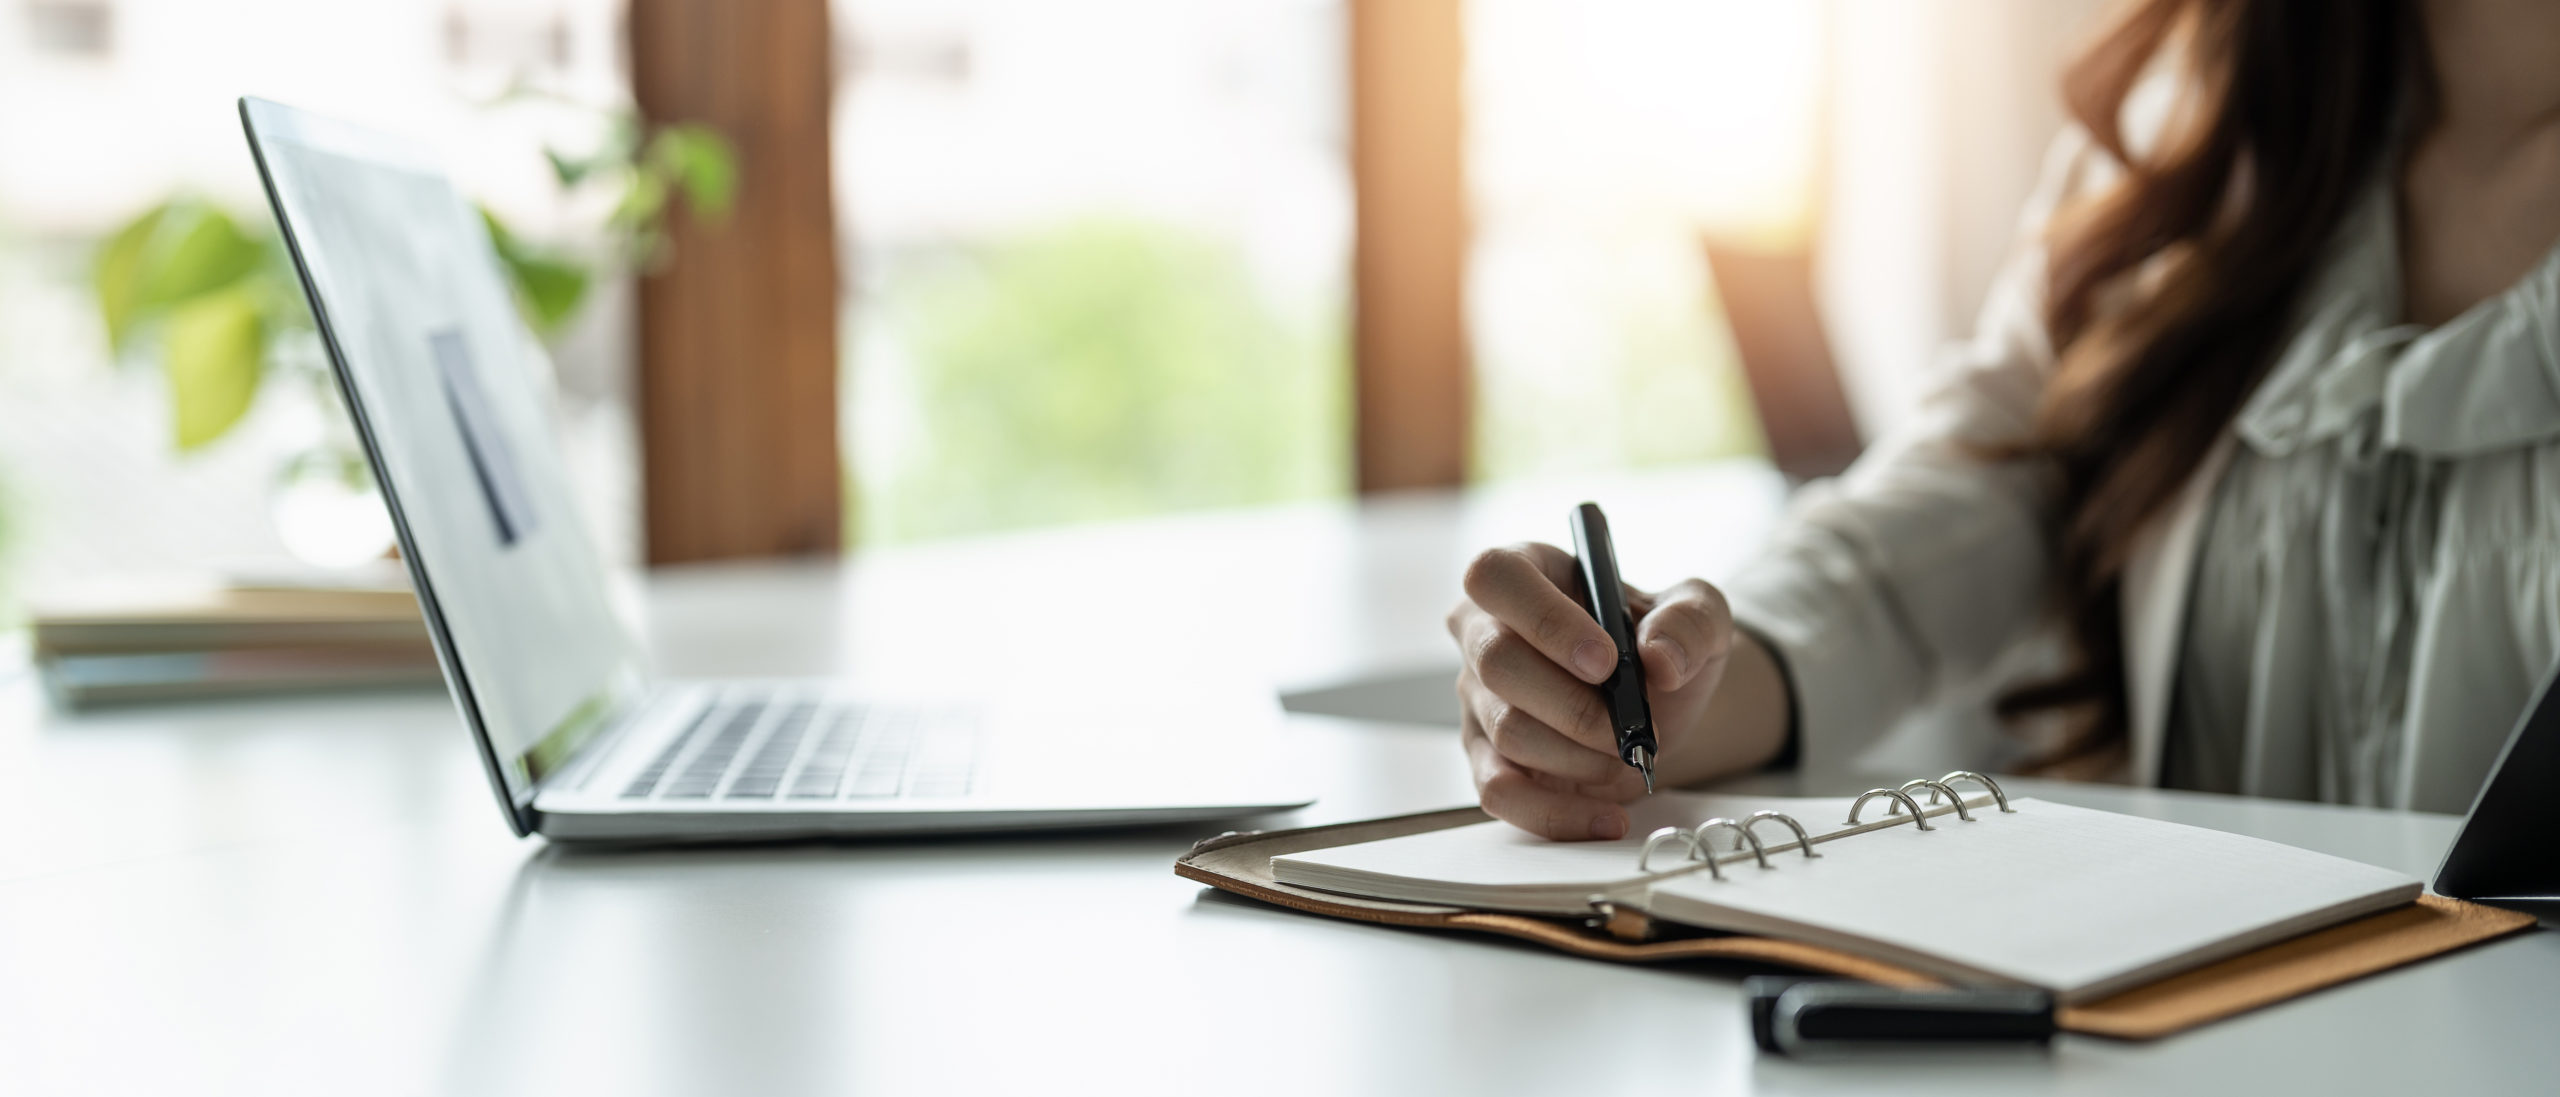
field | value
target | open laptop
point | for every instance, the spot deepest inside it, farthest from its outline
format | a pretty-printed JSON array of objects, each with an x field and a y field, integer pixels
[
  {"x": 580, "y": 740},
  {"x": 2503, "y": 856}
]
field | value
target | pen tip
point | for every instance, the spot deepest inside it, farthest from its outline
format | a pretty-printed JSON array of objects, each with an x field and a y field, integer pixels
[{"x": 1642, "y": 759}]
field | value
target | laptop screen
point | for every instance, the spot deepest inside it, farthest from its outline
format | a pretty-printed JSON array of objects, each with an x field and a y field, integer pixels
[{"x": 446, "y": 385}]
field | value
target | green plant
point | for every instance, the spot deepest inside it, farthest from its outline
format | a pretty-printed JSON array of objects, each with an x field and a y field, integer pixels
[
  {"x": 8, "y": 600},
  {"x": 216, "y": 297},
  {"x": 648, "y": 174},
  {"x": 1102, "y": 368}
]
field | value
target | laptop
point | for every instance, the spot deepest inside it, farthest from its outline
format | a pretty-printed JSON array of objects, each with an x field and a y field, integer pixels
[
  {"x": 2503, "y": 854},
  {"x": 581, "y": 740}
]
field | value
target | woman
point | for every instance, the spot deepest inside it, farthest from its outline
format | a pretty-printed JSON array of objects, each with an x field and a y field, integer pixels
[{"x": 2265, "y": 416}]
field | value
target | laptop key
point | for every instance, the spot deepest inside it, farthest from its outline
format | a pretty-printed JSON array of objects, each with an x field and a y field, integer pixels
[
  {"x": 762, "y": 775},
  {"x": 647, "y": 780},
  {"x": 813, "y": 752},
  {"x": 939, "y": 786},
  {"x": 819, "y": 775},
  {"x": 703, "y": 773},
  {"x": 874, "y": 784}
]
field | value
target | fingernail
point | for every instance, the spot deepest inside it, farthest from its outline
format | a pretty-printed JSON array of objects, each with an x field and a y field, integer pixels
[
  {"x": 1608, "y": 828},
  {"x": 1593, "y": 660},
  {"x": 1672, "y": 651}
]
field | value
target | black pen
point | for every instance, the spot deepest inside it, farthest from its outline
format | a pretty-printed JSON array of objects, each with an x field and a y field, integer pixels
[{"x": 1629, "y": 716}]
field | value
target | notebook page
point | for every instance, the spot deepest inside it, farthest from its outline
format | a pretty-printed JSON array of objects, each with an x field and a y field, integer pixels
[
  {"x": 1499, "y": 866},
  {"x": 2077, "y": 901}
]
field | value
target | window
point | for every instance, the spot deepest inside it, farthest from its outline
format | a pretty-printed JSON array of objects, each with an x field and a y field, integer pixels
[
  {"x": 1607, "y": 141},
  {"x": 91, "y": 486},
  {"x": 1098, "y": 258}
]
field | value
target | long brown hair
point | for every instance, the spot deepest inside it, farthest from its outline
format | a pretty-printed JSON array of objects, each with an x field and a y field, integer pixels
[{"x": 2167, "y": 294}]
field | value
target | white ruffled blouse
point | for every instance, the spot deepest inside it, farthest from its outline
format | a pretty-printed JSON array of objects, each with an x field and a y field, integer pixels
[
  {"x": 2352, "y": 600},
  {"x": 2378, "y": 588}
]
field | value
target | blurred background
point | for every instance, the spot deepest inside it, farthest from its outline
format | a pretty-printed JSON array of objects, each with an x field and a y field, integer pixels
[{"x": 1090, "y": 260}]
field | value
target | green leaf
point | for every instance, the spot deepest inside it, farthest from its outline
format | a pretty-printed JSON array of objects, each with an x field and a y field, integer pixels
[
  {"x": 500, "y": 236},
  {"x": 548, "y": 287},
  {"x": 213, "y": 347},
  {"x": 568, "y": 170},
  {"x": 207, "y": 252},
  {"x": 119, "y": 273},
  {"x": 170, "y": 255},
  {"x": 701, "y": 163},
  {"x": 642, "y": 203}
]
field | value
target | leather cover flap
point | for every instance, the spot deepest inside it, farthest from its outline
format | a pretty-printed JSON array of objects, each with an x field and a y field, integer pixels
[{"x": 1241, "y": 863}]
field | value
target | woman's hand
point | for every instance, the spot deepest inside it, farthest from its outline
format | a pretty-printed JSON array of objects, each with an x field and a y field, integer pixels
[{"x": 1536, "y": 732}]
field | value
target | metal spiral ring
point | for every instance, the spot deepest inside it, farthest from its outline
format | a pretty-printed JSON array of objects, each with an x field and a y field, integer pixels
[
  {"x": 1997, "y": 796},
  {"x": 1803, "y": 841},
  {"x": 1899, "y": 796},
  {"x": 1697, "y": 851},
  {"x": 1735, "y": 826},
  {"x": 1935, "y": 787}
]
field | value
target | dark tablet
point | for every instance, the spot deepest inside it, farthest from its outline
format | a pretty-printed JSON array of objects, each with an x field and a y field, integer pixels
[{"x": 2508, "y": 853}]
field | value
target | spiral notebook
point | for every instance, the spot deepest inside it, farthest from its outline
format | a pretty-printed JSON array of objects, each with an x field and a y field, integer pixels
[{"x": 1974, "y": 889}]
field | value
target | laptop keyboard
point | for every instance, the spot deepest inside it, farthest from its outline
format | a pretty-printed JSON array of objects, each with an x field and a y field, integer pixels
[{"x": 750, "y": 746}]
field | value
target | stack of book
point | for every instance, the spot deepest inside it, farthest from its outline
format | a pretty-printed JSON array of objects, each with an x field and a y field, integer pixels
[{"x": 185, "y": 643}]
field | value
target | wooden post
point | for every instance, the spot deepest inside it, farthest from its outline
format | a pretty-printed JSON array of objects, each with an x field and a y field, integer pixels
[
  {"x": 1771, "y": 308},
  {"x": 1408, "y": 178},
  {"x": 738, "y": 360},
  {"x": 1786, "y": 358}
]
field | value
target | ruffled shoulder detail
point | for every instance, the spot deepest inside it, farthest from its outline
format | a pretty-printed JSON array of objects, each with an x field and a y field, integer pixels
[{"x": 2487, "y": 380}]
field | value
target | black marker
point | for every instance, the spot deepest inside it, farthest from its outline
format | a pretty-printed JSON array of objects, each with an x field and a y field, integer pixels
[
  {"x": 1629, "y": 716},
  {"x": 1796, "y": 1015}
]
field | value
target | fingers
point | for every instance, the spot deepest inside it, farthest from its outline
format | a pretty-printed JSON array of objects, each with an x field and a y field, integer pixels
[
  {"x": 1530, "y": 588},
  {"x": 1537, "y": 736},
  {"x": 1513, "y": 795},
  {"x": 1688, "y": 629},
  {"x": 1532, "y": 743},
  {"x": 1515, "y": 674}
]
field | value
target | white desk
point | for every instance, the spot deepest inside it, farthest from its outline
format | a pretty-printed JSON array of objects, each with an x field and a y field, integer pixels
[{"x": 318, "y": 895}]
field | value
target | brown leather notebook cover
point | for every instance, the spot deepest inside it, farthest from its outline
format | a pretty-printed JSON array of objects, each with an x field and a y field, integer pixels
[{"x": 1241, "y": 863}]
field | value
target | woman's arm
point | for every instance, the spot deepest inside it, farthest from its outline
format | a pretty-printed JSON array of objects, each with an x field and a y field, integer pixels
[{"x": 1925, "y": 561}]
